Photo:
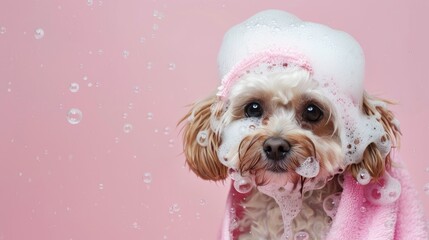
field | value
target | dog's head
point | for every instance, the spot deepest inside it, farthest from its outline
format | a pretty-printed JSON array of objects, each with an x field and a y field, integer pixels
[{"x": 289, "y": 115}]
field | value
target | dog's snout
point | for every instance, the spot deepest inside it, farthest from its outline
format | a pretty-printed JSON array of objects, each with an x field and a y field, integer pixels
[{"x": 276, "y": 148}]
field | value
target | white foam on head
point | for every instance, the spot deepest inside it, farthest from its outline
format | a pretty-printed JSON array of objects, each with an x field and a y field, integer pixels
[{"x": 331, "y": 54}]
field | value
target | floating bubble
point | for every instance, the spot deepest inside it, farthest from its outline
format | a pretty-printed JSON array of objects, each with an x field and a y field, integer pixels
[
  {"x": 147, "y": 177},
  {"x": 90, "y": 2},
  {"x": 302, "y": 235},
  {"x": 175, "y": 208},
  {"x": 39, "y": 33},
  {"x": 166, "y": 130},
  {"x": 149, "y": 116},
  {"x": 157, "y": 14},
  {"x": 384, "y": 191},
  {"x": 243, "y": 185},
  {"x": 309, "y": 168},
  {"x": 85, "y": 78},
  {"x": 101, "y": 186},
  {"x": 203, "y": 138},
  {"x": 234, "y": 174},
  {"x": 137, "y": 89},
  {"x": 203, "y": 202},
  {"x": 74, "y": 87},
  {"x": 130, "y": 105},
  {"x": 363, "y": 177},
  {"x": 127, "y": 128},
  {"x": 171, "y": 66},
  {"x": 90, "y": 84},
  {"x": 2, "y": 30},
  {"x": 330, "y": 204},
  {"x": 125, "y": 54},
  {"x": 149, "y": 65},
  {"x": 155, "y": 27},
  {"x": 171, "y": 143},
  {"x": 74, "y": 116},
  {"x": 426, "y": 188}
]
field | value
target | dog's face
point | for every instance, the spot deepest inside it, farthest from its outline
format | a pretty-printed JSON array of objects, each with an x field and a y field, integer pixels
[
  {"x": 296, "y": 123},
  {"x": 293, "y": 122}
]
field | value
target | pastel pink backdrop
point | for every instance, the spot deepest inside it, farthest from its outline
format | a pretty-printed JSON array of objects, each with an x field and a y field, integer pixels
[{"x": 140, "y": 63}]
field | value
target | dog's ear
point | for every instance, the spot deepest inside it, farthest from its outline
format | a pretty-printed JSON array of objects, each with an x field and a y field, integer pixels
[
  {"x": 201, "y": 154},
  {"x": 373, "y": 160}
]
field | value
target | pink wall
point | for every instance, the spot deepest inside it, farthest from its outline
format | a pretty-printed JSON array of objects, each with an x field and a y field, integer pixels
[{"x": 88, "y": 180}]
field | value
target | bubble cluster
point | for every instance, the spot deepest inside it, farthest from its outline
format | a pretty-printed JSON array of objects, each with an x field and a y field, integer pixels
[
  {"x": 384, "y": 191},
  {"x": 330, "y": 204},
  {"x": 309, "y": 168},
  {"x": 74, "y": 116}
]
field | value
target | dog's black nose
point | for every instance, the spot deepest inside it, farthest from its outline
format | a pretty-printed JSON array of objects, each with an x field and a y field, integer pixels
[{"x": 276, "y": 148}]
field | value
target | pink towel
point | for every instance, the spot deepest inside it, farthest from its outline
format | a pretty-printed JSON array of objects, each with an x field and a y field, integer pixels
[{"x": 357, "y": 218}]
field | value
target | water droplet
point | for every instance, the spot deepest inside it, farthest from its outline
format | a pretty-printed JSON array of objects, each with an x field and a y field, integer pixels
[
  {"x": 127, "y": 128},
  {"x": 90, "y": 2},
  {"x": 171, "y": 66},
  {"x": 85, "y": 78},
  {"x": 175, "y": 208},
  {"x": 39, "y": 33},
  {"x": 101, "y": 186},
  {"x": 125, "y": 115},
  {"x": 74, "y": 87},
  {"x": 125, "y": 54},
  {"x": 130, "y": 105},
  {"x": 330, "y": 204},
  {"x": 90, "y": 84},
  {"x": 203, "y": 202},
  {"x": 149, "y": 116},
  {"x": 116, "y": 140},
  {"x": 203, "y": 138},
  {"x": 362, "y": 209},
  {"x": 74, "y": 116},
  {"x": 147, "y": 177},
  {"x": 363, "y": 177},
  {"x": 135, "y": 225},
  {"x": 166, "y": 130},
  {"x": 197, "y": 215},
  {"x": 2, "y": 30}
]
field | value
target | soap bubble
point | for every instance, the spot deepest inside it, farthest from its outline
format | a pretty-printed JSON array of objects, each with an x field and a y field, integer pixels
[
  {"x": 243, "y": 185},
  {"x": 233, "y": 174},
  {"x": 127, "y": 128},
  {"x": 426, "y": 188},
  {"x": 85, "y": 78},
  {"x": 149, "y": 116},
  {"x": 137, "y": 89},
  {"x": 175, "y": 208},
  {"x": 39, "y": 33},
  {"x": 309, "y": 168},
  {"x": 147, "y": 177},
  {"x": 330, "y": 204},
  {"x": 203, "y": 202},
  {"x": 363, "y": 177},
  {"x": 2, "y": 30},
  {"x": 101, "y": 186},
  {"x": 90, "y": 2},
  {"x": 125, "y": 54},
  {"x": 203, "y": 138},
  {"x": 74, "y": 116},
  {"x": 384, "y": 191},
  {"x": 74, "y": 87},
  {"x": 302, "y": 235},
  {"x": 171, "y": 66}
]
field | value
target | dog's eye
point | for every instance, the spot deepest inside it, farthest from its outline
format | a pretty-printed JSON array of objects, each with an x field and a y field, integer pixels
[
  {"x": 312, "y": 113},
  {"x": 253, "y": 109}
]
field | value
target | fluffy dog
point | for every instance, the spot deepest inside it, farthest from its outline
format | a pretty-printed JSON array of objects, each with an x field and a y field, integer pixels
[{"x": 289, "y": 123}]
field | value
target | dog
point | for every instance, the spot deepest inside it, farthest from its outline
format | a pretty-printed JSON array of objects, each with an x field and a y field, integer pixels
[{"x": 289, "y": 123}]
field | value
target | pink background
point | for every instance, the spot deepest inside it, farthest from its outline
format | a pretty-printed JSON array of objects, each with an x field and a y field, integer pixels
[{"x": 140, "y": 62}]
